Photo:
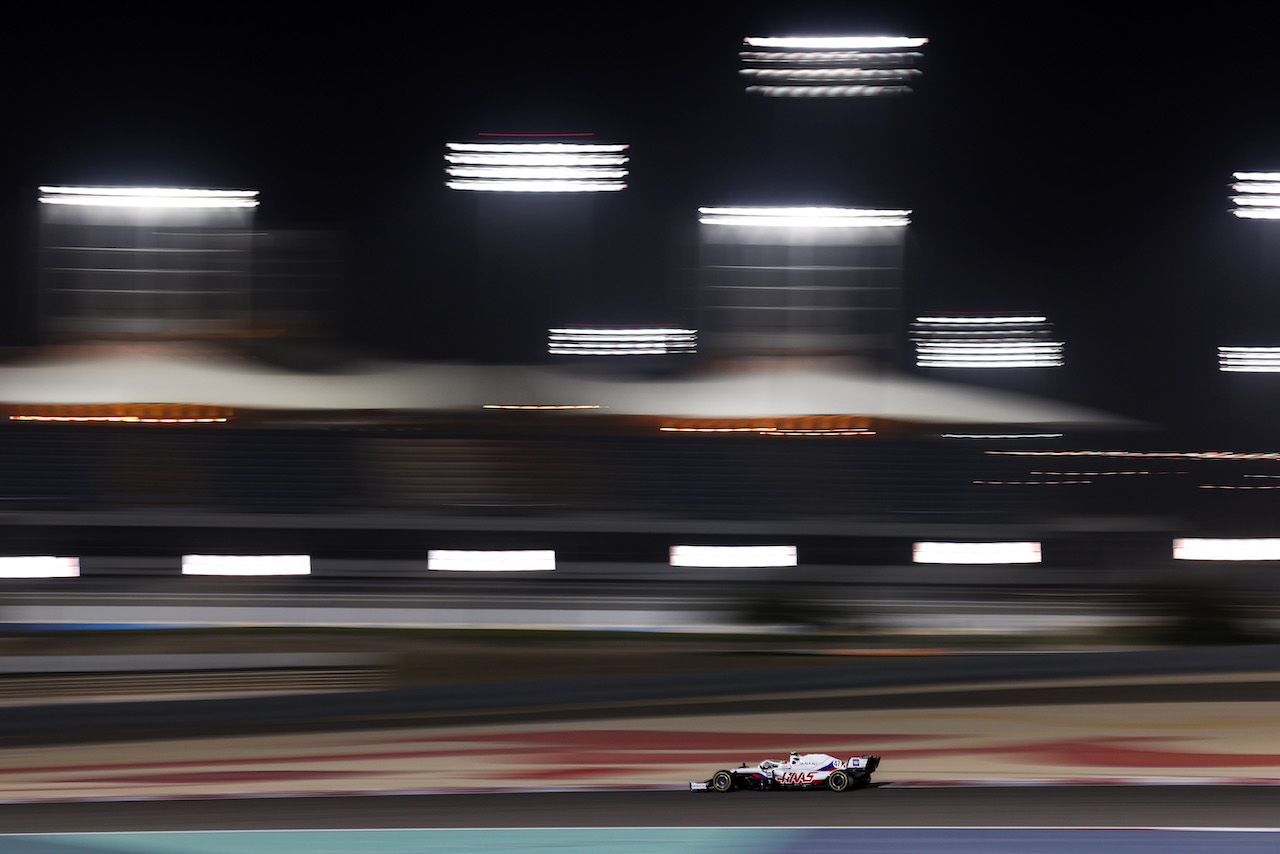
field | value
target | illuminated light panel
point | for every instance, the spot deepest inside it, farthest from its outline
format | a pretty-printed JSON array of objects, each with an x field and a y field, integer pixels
[
  {"x": 621, "y": 341},
  {"x": 39, "y": 567},
  {"x": 1165, "y": 455},
  {"x": 1225, "y": 486},
  {"x": 120, "y": 419},
  {"x": 1030, "y": 482},
  {"x": 733, "y": 556},
  {"x": 836, "y": 42},
  {"x": 1102, "y": 473},
  {"x": 447, "y": 560},
  {"x": 981, "y": 320},
  {"x": 829, "y": 75},
  {"x": 1259, "y": 195},
  {"x": 148, "y": 197},
  {"x": 807, "y": 67},
  {"x": 717, "y": 429},
  {"x": 537, "y": 147},
  {"x": 124, "y": 413},
  {"x": 976, "y": 553},
  {"x": 819, "y": 432},
  {"x": 804, "y": 217},
  {"x": 542, "y": 406},
  {"x": 1198, "y": 548},
  {"x": 536, "y": 167},
  {"x": 1257, "y": 360},
  {"x": 246, "y": 565},
  {"x": 585, "y": 186},
  {"x": 561, "y": 173},
  {"x": 985, "y": 341},
  {"x": 1002, "y": 435},
  {"x": 540, "y": 160},
  {"x": 828, "y": 91},
  {"x": 852, "y": 60}
]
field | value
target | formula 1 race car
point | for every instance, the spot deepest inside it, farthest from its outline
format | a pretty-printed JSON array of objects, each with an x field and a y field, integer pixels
[{"x": 799, "y": 771}]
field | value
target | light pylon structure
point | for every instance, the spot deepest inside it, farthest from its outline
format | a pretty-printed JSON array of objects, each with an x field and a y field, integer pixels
[
  {"x": 151, "y": 262},
  {"x": 800, "y": 280}
]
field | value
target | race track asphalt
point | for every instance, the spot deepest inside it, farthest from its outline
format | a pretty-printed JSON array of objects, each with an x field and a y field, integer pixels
[{"x": 882, "y": 806}]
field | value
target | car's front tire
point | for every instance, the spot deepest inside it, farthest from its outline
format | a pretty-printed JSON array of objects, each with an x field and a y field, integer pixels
[
  {"x": 722, "y": 781},
  {"x": 838, "y": 781}
]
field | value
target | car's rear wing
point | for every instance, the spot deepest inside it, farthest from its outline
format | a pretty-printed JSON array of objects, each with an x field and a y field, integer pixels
[{"x": 863, "y": 763}]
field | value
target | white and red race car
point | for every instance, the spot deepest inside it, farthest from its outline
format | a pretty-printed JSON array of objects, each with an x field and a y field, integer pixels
[{"x": 798, "y": 771}]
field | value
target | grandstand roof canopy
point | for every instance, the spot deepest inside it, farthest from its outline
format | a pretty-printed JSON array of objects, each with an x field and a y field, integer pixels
[{"x": 748, "y": 389}]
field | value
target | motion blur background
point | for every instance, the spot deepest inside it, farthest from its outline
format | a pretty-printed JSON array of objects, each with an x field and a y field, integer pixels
[{"x": 355, "y": 366}]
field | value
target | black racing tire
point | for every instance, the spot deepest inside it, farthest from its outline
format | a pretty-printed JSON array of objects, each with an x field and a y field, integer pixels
[
  {"x": 838, "y": 781},
  {"x": 722, "y": 781}
]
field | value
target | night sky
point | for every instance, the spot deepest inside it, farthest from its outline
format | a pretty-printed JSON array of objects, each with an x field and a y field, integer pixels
[{"x": 1066, "y": 158}]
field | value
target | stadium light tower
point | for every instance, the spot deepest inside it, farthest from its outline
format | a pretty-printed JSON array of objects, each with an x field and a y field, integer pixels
[
  {"x": 146, "y": 262},
  {"x": 830, "y": 67},
  {"x": 800, "y": 280},
  {"x": 534, "y": 196}
]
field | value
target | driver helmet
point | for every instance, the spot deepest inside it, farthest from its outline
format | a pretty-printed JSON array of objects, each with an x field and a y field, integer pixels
[{"x": 793, "y": 757}]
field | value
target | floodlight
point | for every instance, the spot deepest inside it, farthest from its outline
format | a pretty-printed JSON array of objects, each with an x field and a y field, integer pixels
[
  {"x": 148, "y": 197},
  {"x": 534, "y": 186},
  {"x": 1259, "y": 195},
  {"x": 570, "y": 148},
  {"x": 769, "y": 217},
  {"x": 975, "y": 553},
  {"x": 1196, "y": 548},
  {"x": 733, "y": 556},
  {"x": 827, "y": 91},
  {"x": 1255, "y": 360},
  {"x": 830, "y": 75},
  {"x": 979, "y": 320},
  {"x": 536, "y": 167},
  {"x": 621, "y": 341},
  {"x": 246, "y": 565},
  {"x": 985, "y": 341},
  {"x": 452, "y": 560},
  {"x": 836, "y": 43},
  {"x": 32, "y": 566},
  {"x": 807, "y": 67}
]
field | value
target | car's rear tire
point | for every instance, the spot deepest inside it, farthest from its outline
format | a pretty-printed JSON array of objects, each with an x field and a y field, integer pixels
[
  {"x": 838, "y": 781},
  {"x": 722, "y": 781}
]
